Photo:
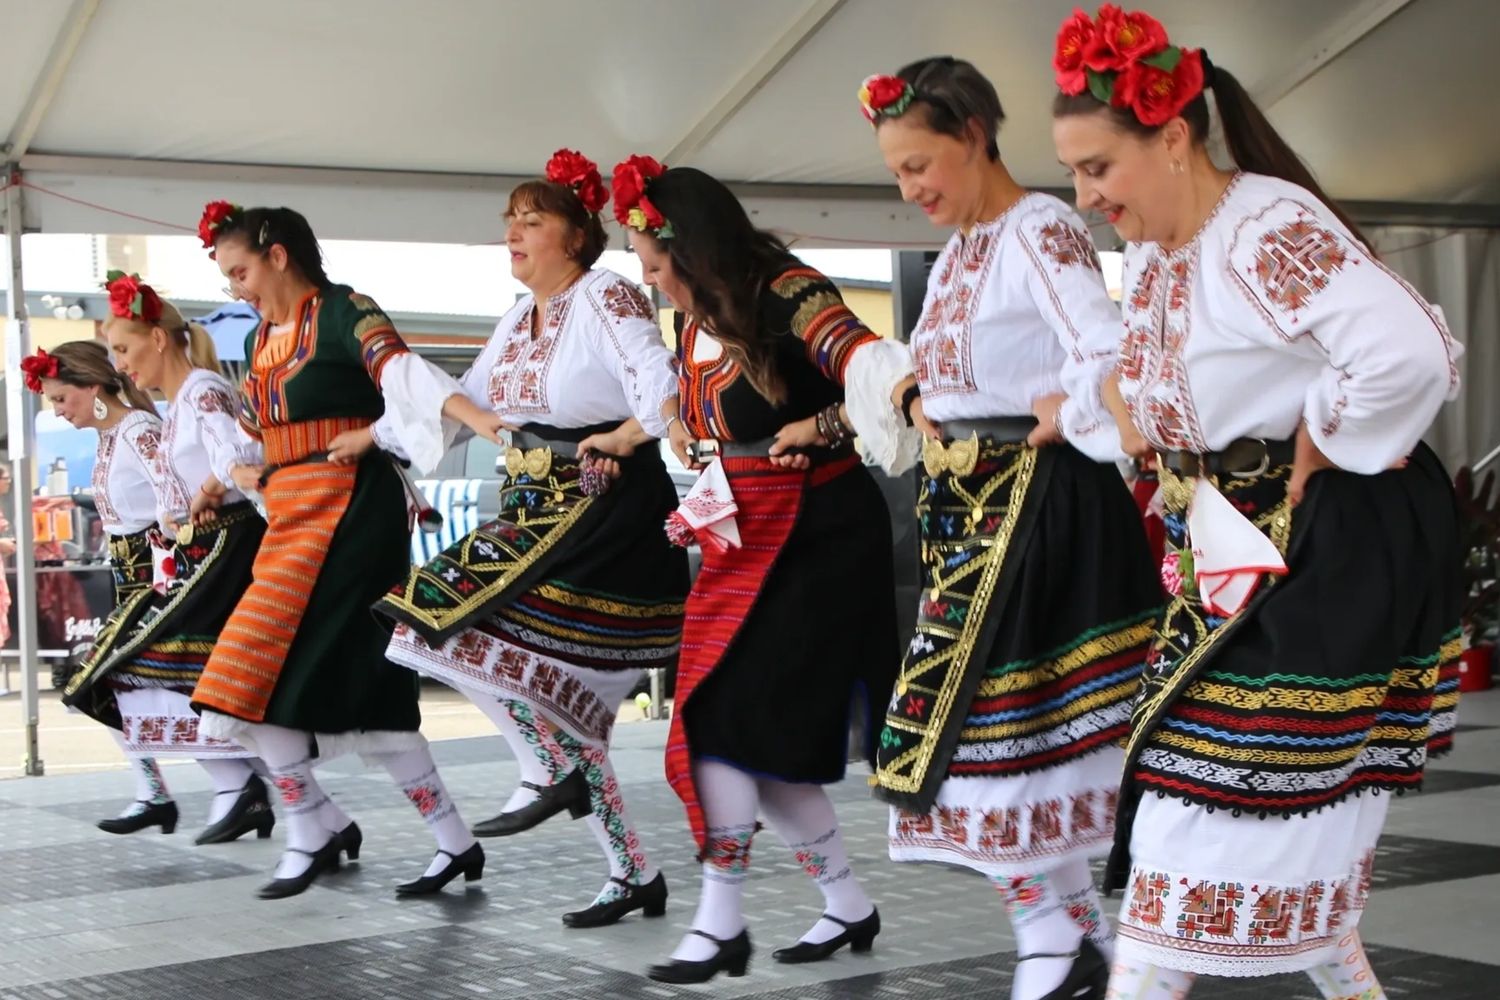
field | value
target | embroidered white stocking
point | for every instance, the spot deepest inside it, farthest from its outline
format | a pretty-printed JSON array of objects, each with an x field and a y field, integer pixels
[
  {"x": 803, "y": 816},
  {"x": 288, "y": 756},
  {"x": 729, "y": 806},
  {"x": 1134, "y": 978},
  {"x": 537, "y": 754},
  {"x": 1043, "y": 929},
  {"x": 415, "y": 773},
  {"x": 608, "y": 822},
  {"x": 150, "y": 786},
  {"x": 229, "y": 778},
  {"x": 1349, "y": 975},
  {"x": 1075, "y": 884}
]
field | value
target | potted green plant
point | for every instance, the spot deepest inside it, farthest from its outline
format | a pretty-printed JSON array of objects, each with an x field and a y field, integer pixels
[{"x": 1479, "y": 522}]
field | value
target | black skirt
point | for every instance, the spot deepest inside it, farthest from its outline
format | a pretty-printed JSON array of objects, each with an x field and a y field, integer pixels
[{"x": 819, "y": 643}]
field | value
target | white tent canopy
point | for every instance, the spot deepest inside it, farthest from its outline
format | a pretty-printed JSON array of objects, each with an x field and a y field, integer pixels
[{"x": 384, "y": 119}]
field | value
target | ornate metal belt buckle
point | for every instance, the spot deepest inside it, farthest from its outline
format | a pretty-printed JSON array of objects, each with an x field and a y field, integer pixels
[
  {"x": 957, "y": 457},
  {"x": 185, "y": 534},
  {"x": 536, "y": 463}
]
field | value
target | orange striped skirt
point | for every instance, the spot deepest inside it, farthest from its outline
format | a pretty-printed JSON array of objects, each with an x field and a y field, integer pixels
[{"x": 305, "y": 503}]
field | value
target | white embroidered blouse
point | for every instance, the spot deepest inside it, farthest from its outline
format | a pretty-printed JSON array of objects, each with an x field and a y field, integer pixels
[
  {"x": 124, "y": 492},
  {"x": 1272, "y": 314},
  {"x": 200, "y": 437},
  {"x": 599, "y": 358},
  {"x": 1016, "y": 310}
]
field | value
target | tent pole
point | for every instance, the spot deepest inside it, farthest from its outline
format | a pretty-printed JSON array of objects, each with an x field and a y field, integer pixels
[{"x": 22, "y": 444}]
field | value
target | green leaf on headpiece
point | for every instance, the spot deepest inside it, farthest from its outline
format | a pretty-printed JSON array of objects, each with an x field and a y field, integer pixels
[
  {"x": 1101, "y": 85},
  {"x": 1166, "y": 60},
  {"x": 665, "y": 232},
  {"x": 110, "y": 276},
  {"x": 138, "y": 304}
]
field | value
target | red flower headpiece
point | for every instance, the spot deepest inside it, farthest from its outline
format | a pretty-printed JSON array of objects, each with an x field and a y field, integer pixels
[
  {"x": 215, "y": 214},
  {"x": 632, "y": 208},
  {"x": 1124, "y": 60},
  {"x": 132, "y": 298},
  {"x": 572, "y": 169},
  {"x": 884, "y": 97},
  {"x": 37, "y": 367}
]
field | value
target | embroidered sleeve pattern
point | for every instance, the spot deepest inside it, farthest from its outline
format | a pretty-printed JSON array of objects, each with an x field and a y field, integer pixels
[
  {"x": 216, "y": 414},
  {"x": 942, "y": 343},
  {"x": 816, "y": 314},
  {"x": 377, "y": 336},
  {"x": 1067, "y": 287},
  {"x": 1388, "y": 359},
  {"x": 630, "y": 343}
]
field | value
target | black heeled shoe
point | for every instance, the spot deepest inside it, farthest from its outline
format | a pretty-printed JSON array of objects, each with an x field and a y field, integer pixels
[
  {"x": 733, "y": 959},
  {"x": 571, "y": 793},
  {"x": 251, "y": 811},
  {"x": 470, "y": 864},
  {"x": 650, "y": 898},
  {"x": 350, "y": 839},
  {"x": 859, "y": 936},
  {"x": 162, "y": 814},
  {"x": 1087, "y": 978},
  {"x": 325, "y": 858}
]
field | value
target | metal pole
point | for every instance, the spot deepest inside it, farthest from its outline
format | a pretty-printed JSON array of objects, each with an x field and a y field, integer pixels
[{"x": 22, "y": 431}]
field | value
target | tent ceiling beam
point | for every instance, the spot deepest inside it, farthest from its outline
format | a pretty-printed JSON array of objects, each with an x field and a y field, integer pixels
[
  {"x": 1342, "y": 37},
  {"x": 47, "y": 83},
  {"x": 796, "y": 35}
]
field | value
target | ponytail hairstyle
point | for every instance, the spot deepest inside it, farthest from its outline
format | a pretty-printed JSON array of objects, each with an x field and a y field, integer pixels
[
  {"x": 135, "y": 304},
  {"x": 946, "y": 93},
  {"x": 85, "y": 363},
  {"x": 263, "y": 228},
  {"x": 1120, "y": 64}
]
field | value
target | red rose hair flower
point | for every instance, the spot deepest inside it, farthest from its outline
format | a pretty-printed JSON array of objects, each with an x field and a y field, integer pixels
[
  {"x": 571, "y": 168},
  {"x": 132, "y": 298},
  {"x": 632, "y": 207},
  {"x": 215, "y": 214},
  {"x": 37, "y": 367},
  {"x": 1124, "y": 59},
  {"x": 884, "y": 97}
]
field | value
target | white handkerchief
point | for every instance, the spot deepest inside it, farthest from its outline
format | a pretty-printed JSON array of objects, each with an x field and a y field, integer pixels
[
  {"x": 708, "y": 511},
  {"x": 1229, "y": 553},
  {"x": 163, "y": 569}
]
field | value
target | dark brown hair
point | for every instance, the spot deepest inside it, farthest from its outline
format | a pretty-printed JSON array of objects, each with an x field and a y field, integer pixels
[
  {"x": 1253, "y": 143},
  {"x": 948, "y": 94},
  {"x": 85, "y": 364},
  {"x": 263, "y": 228},
  {"x": 551, "y": 198},
  {"x": 726, "y": 263}
]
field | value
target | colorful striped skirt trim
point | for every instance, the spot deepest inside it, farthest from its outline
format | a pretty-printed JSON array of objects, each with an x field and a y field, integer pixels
[
  {"x": 1037, "y": 610},
  {"x": 1338, "y": 677},
  {"x": 162, "y": 640}
]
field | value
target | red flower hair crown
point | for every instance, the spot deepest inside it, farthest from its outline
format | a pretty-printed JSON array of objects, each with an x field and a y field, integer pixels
[
  {"x": 633, "y": 208},
  {"x": 215, "y": 214},
  {"x": 572, "y": 169},
  {"x": 132, "y": 298},
  {"x": 884, "y": 97},
  {"x": 37, "y": 367},
  {"x": 1123, "y": 58}
]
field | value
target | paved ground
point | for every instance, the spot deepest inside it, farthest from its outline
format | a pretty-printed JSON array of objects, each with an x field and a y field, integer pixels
[{"x": 86, "y": 915}]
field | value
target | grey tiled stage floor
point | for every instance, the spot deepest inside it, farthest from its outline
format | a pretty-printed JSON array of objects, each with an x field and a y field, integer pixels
[{"x": 85, "y": 915}]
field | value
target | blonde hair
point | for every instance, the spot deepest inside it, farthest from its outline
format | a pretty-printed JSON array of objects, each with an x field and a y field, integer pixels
[
  {"x": 190, "y": 338},
  {"x": 85, "y": 363}
]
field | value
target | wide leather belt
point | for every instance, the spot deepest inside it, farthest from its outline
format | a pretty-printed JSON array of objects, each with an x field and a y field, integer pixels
[
  {"x": 707, "y": 449},
  {"x": 958, "y": 452},
  {"x": 1244, "y": 458},
  {"x": 531, "y": 451}
]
